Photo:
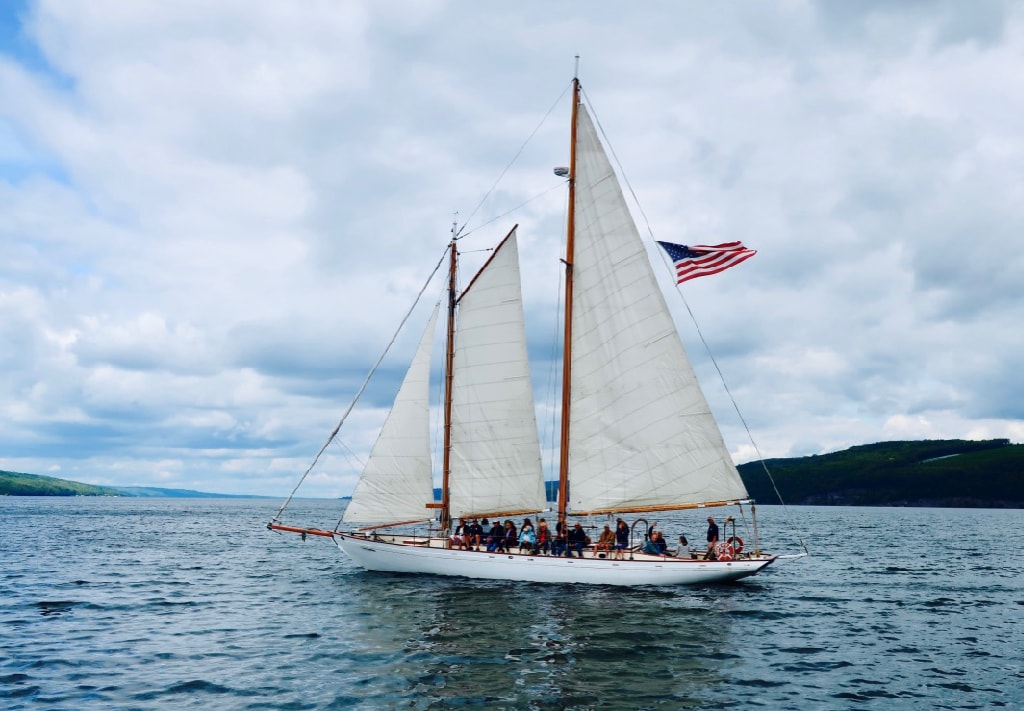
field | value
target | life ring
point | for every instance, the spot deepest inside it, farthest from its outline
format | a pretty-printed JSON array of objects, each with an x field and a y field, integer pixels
[
  {"x": 723, "y": 551},
  {"x": 735, "y": 544}
]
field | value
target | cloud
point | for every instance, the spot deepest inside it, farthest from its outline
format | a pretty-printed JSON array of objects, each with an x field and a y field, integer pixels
[{"x": 213, "y": 215}]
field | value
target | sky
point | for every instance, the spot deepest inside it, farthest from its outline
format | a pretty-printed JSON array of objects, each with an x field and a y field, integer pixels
[{"x": 215, "y": 213}]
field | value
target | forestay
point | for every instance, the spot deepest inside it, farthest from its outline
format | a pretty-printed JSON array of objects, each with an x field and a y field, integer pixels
[{"x": 397, "y": 482}]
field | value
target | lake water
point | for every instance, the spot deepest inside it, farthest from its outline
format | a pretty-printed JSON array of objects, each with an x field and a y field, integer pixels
[{"x": 192, "y": 603}]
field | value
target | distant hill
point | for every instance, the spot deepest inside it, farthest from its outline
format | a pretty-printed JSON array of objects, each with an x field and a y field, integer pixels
[
  {"x": 18, "y": 484},
  {"x": 550, "y": 491},
  {"x": 156, "y": 492},
  {"x": 951, "y": 473},
  {"x": 948, "y": 473}
]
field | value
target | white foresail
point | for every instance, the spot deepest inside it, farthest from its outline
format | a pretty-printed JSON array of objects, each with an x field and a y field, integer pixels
[
  {"x": 495, "y": 453},
  {"x": 641, "y": 433},
  {"x": 397, "y": 482}
]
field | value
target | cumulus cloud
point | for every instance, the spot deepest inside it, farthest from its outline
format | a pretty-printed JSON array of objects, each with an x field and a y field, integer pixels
[{"x": 214, "y": 214}]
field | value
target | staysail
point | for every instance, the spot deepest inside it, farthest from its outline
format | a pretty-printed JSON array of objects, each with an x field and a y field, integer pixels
[
  {"x": 495, "y": 453},
  {"x": 397, "y": 482},
  {"x": 641, "y": 434}
]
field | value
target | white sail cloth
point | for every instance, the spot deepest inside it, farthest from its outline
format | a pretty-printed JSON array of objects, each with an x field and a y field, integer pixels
[
  {"x": 495, "y": 453},
  {"x": 641, "y": 433},
  {"x": 397, "y": 482}
]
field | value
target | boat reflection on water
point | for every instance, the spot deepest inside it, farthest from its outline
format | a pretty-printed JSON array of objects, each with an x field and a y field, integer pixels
[{"x": 441, "y": 643}]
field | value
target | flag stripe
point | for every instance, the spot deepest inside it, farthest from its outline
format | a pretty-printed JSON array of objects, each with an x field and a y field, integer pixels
[
  {"x": 703, "y": 260},
  {"x": 684, "y": 273}
]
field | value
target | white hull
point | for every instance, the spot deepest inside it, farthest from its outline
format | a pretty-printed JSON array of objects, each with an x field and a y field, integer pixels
[{"x": 399, "y": 557}]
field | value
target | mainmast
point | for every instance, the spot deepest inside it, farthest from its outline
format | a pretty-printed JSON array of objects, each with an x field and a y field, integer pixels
[
  {"x": 563, "y": 465},
  {"x": 448, "y": 375}
]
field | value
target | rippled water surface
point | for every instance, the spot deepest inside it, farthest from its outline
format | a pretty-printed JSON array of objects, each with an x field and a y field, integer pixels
[{"x": 157, "y": 604}]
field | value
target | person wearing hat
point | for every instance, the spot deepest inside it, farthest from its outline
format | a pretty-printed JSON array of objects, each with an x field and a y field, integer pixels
[
  {"x": 495, "y": 536},
  {"x": 577, "y": 540},
  {"x": 605, "y": 543},
  {"x": 476, "y": 532}
]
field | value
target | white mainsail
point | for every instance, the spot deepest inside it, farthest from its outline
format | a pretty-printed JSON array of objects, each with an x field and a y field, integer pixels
[
  {"x": 495, "y": 452},
  {"x": 641, "y": 433},
  {"x": 397, "y": 482}
]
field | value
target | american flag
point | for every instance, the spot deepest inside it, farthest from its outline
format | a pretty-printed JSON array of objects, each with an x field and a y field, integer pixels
[{"x": 704, "y": 259}]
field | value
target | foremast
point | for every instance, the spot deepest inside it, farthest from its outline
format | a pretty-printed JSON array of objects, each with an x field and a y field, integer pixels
[
  {"x": 491, "y": 463},
  {"x": 449, "y": 372},
  {"x": 563, "y": 464}
]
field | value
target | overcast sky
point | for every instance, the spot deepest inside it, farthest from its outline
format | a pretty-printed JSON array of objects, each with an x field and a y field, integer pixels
[{"x": 214, "y": 214}]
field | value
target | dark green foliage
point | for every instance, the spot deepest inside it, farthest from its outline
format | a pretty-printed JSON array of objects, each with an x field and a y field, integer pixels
[
  {"x": 960, "y": 473},
  {"x": 17, "y": 484}
]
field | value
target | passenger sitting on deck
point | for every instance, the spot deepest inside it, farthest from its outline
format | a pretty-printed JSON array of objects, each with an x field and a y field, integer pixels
[
  {"x": 659, "y": 541},
  {"x": 511, "y": 536},
  {"x": 496, "y": 536},
  {"x": 528, "y": 540},
  {"x": 543, "y": 538},
  {"x": 502, "y": 539},
  {"x": 651, "y": 548},
  {"x": 606, "y": 542},
  {"x": 476, "y": 532},
  {"x": 649, "y": 536},
  {"x": 577, "y": 539},
  {"x": 458, "y": 538},
  {"x": 683, "y": 549},
  {"x": 621, "y": 538},
  {"x": 560, "y": 544}
]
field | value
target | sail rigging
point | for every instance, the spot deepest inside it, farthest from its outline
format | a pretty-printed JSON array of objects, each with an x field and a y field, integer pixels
[
  {"x": 641, "y": 434},
  {"x": 637, "y": 432},
  {"x": 495, "y": 453},
  {"x": 397, "y": 481}
]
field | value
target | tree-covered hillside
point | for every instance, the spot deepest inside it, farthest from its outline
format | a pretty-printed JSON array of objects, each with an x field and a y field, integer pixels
[
  {"x": 958, "y": 473},
  {"x": 18, "y": 484}
]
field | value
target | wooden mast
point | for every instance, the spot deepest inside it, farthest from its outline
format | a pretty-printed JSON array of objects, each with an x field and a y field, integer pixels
[
  {"x": 563, "y": 464},
  {"x": 448, "y": 375}
]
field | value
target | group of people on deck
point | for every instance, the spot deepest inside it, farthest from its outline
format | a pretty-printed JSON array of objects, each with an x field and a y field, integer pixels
[
  {"x": 499, "y": 537},
  {"x": 496, "y": 537}
]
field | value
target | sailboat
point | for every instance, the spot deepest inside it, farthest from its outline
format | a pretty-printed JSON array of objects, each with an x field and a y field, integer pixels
[{"x": 637, "y": 434}]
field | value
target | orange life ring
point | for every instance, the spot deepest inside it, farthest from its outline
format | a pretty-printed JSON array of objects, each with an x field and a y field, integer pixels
[
  {"x": 735, "y": 544},
  {"x": 723, "y": 551}
]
